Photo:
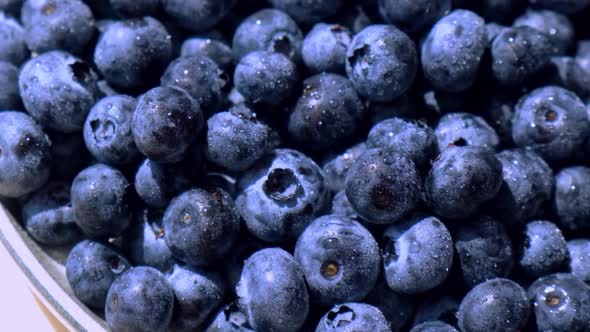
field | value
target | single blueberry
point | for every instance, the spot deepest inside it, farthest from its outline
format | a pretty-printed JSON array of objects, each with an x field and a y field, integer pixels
[
  {"x": 572, "y": 197},
  {"x": 579, "y": 250},
  {"x": 216, "y": 50},
  {"x": 353, "y": 317},
  {"x": 465, "y": 129},
  {"x": 324, "y": 48},
  {"x": 543, "y": 250},
  {"x": 13, "y": 48},
  {"x": 434, "y": 326},
  {"x": 557, "y": 26}
]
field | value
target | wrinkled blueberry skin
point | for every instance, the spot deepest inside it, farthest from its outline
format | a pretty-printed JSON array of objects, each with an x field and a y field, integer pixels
[
  {"x": 198, "y": 293},
  {"x": 272, "y": 291},
  {"x": 9, "y": 94},
  {"x": 328, "y": 112},
  {"x": 410, "y": 137},
  {"x": 141, "y": 299},
  {"x": 216, "y": 50},
  {"x": 133, "y": 8},
  {"x": 200, "y": 77},
  {"x": 557, "y": 26},
  {"x": 100, "y": 200},
  {"x": 494, "y": 305},
  {"x": 91, "y": 268},
  {"x": 346, "y": 244},
  {"x": 381, "y": 62},
  {"x": 572, "y": 197},
  {"x": 413, "y": 16},
  {"x": 201, "y": 226},
  {"x": 25, "y": 158},
  {"x": 58, "y": 90},
  {"x": 13, "y": 48},
  {"x": 66, "y": 25},
  {"x": 461, "y": 180},
  {"x": 418, "y": 254},
  {"x": 229, "y": 319},
  {"x": 465, "y": 129},
  {"x": 270, "y": 30},
  {"x": 133, "y": 53},
  {"x": 566, "y": 7},
  {"x": 396, "y": 307},
  {"x": 453, "y": 49},
  {"x": 282, "y": 194},
  {"x": 324, "y": 48},
  {"x": 543, "y": 250},
  {"x": 166, "y": 122},
  {"x": 157, "y": 183},
  {"x": 48, "y": 218},
  {"x": 341, "y": 206},
  {"x": 307, "y": 12},
  {"x": 107, "y": 130},
  {"x": 336, "y": 168},
  {"x": 144, "y": 241},
  {"x": 519, "y": 53},
  {"x": 267, "y": 78},
  {"x": 197, "y": 15},
  {"x": 551, "y": 121},
  {"x": 236, "y": 139},
  {"x": 383, "y": 186},
  {"x": 435, "y": 326},
  {"x": 579, "y": 250},
  {"x": 484, "y": 250},
  {"x": 561, "y": 303},
  {"x": 526, "y": 187},
  {"x": 353, "y": 317}
]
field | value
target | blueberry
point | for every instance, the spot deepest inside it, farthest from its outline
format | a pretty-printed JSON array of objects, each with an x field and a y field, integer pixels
[
  {"x": 9, "y": 94},
  {"x": 579, "y": 250},
  {"x": 264, "y": 77},
  {"x": 341, "y": 206},
  {"x": 566, "y": 7},
  {"x": 133, "y": 53},
  {"x": 572, "y": 196},
  {"x": 340, "y": 259},
  {"x": 353, "y": 317},
  {"x": 200, "y": 77},
  {"x": 201, "y": 226},
  {"x": 410, "y": 137},
  {"x": 216, "y": 50},
  {"x": 197, "y": 15},
  {"x": 236, "y": 139},
  {"x": 494, "y": 305},
  {"x": 413, "y": 16},
  {"x": 25, "y": 155},
  {"x": 324, "y": 48},
  {"x": 328, "y": 112},
  {"x": 141, "y": 299},
  {"x": 396, "y": 307},
  {"x": 383, "y": 186},
  {"x": 557, "y": 26},
  {"x": 571, "y": 73},
  {"x": 462, "y": 129},
  {"x": 561, "y": 302},
  {"x": 230, "y": 319},
  {"x": 461, "y": 180},
  {"x": 551, "y": 121},
  {"x": 165, "y": 123},
  {"x": 453, "y": 50},
  {"x": 270, "y": 30},
  {"x": 198, "y": 293},
  {"x": 91, "y": 268},
  {"x": 100, "y": 200},
  {"x": 144, "y": 241},
  {"x": 107, "y": 130},
  {"x": 282, "y": 194},
  {"x": 434, "y": 326},
  {"x": 66, "y": 25},
  {"x": 308, "y": 11},
  {"x": 157, "y": 183},
  {"x": 336, "y": 168},
  {"x": 543, "y": 250},
  {"x": 494, "y": 30},
  {"x": 272, "y": 291},
  {"x": 132, "y": 8},
  {"x": 58, "y": 90},
  {"x": 48, "y": 218},
  {"x": 13, "y": 47},
  {"x": 526, "y": 188},
  {"x": 484, "y": 250},
  {"x": 518, "y": 54},
  {"x": 418, "y": 254},
  {"x": 381, "y": 62}
]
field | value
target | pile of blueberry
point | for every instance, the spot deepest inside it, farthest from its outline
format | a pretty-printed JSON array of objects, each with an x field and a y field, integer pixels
[{"x": 305, "y": 165}]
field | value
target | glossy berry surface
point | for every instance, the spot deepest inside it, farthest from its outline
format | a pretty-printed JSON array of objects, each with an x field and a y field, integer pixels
[{"x": 353, "y": 317}]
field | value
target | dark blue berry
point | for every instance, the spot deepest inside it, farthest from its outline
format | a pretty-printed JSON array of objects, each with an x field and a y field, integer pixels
[
  {"x": 9, "y": 94},
  {"x": 572, "y": 197},
  {"x": 336, "y": 168},
  {"x": 216, "y": 50},
  {"x": 557, "y": 26},
  {"x": 13, "y": 48},
  {"x": 434, "y": 326},
  {"x": 543, "y": 250},
  {"x": 579, "y": 250},
  {"x": 324, "y": 48},
  {"x": 354, "y": 317},
  {"x": 197, "y": 15},
  {"x": 413, "y": 16},
  {"x": 465, "y": 129}
]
